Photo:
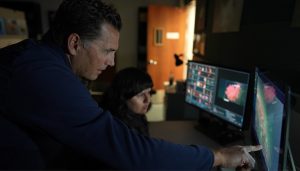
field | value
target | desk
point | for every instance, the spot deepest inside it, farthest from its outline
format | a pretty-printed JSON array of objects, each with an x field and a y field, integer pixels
[
  {"x": 97, "y": 95},
  {"x": 182, "y": 132}
]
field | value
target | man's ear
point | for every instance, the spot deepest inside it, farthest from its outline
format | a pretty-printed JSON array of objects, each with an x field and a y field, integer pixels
[{"x": 73, "y": 43}]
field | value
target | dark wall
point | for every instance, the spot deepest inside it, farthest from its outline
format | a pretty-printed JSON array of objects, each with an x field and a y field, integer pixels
[{"x": 265, "y": 39}]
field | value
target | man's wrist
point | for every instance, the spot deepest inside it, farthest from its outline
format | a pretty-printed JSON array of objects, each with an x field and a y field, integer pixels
[{"x": 218, "y": 159}]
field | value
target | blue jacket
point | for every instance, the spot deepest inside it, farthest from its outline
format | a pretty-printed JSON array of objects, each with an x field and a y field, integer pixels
[
  {"x": 17, "y": 150},
  {"x": 41, "y": 94}
]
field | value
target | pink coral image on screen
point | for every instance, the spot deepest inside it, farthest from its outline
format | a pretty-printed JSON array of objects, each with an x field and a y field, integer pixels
[
  {"x": 269, "y": 93},
  {"x": 233, "y": 92}
]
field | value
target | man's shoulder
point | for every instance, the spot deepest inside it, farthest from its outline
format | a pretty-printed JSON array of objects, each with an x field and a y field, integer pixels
[{"x": 8, "y": 53}]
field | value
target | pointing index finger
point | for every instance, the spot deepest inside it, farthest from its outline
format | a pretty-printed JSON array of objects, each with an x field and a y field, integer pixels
[{"x": 253, "y": 148}]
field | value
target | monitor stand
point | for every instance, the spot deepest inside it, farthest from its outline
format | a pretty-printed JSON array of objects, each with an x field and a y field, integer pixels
[{"x": 221, "y": 132}]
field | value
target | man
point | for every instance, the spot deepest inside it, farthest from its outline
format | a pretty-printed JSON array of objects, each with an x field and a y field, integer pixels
[{"x": 43, "y": 95}]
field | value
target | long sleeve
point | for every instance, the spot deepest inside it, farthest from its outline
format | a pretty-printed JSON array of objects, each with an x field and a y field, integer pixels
[{"x": 45, "y": 95}]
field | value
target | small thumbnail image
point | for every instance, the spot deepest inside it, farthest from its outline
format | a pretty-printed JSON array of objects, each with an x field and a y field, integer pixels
[
  {"x": 11, "y": 26},
  {"x": 15, "y": 26},
  {"x": 22, "y": 26},
  {"x": 231, "y": 91}
]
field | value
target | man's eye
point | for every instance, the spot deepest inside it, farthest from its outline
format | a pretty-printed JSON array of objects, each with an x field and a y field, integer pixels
[{"x": 107, "y": 51}]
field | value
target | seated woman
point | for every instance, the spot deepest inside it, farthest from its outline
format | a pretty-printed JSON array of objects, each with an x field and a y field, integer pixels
[{"x": 129, "y": 98}]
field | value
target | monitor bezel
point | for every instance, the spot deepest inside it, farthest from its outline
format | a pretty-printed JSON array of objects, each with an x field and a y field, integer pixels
[{"x": 285, "y": 124}]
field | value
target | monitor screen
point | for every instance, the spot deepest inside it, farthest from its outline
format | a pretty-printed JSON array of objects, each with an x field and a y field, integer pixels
[
  {"x": 269, "y": 121},
  {"x": 220, "y": 91}
]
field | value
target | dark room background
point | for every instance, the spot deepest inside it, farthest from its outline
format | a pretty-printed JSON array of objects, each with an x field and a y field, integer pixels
[{"x": 268, "y": 37}]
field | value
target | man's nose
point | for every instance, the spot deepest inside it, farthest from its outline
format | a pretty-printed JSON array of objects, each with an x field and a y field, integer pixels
[{"x": 111, "y": 61}]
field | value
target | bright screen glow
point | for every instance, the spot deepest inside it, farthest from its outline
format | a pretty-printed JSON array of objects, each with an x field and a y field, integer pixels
[
  {"x": 268, "y": 120},
  {"x": 220, "y": 91}
]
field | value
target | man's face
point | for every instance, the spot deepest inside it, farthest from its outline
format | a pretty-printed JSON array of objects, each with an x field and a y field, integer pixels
[{"x": 95, "y": 56}]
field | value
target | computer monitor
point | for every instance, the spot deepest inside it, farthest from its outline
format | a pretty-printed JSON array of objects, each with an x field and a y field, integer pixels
[
  {"x": 271, "y": 107},
  {"x": 218, "y": 91}
]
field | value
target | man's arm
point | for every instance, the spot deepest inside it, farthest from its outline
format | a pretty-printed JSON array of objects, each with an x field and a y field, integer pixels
[{"x": 51, "y": 99}]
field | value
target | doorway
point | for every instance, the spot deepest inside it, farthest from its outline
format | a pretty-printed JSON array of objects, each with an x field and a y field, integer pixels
[{"x": 166, "y": 37}]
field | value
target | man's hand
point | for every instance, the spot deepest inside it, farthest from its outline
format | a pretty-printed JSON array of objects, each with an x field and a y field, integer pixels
[{"x": 236, "y": 156}]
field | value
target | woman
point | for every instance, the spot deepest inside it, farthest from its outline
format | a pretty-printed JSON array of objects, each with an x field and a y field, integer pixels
[{"x": 129, "y": 98}]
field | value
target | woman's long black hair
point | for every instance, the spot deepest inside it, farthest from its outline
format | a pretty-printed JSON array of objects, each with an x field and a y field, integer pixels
[{"x": 126, "y": 84}]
